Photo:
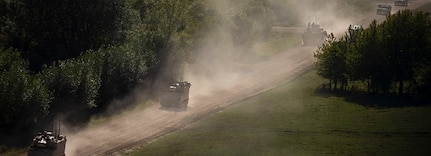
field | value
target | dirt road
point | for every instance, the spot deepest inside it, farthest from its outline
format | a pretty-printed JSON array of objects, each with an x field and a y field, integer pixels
[
  {"x": 144, "y": 126},
  {"x": 140, "y": 127}
]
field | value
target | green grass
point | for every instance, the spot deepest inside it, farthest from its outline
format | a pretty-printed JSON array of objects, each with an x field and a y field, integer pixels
[
  {"x": 12, "y": 151},
  {"x": 295, "y": 119}
]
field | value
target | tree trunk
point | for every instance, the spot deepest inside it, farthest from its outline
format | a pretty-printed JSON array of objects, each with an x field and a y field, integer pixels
[
  {"x": 401, "y": 86},
  {"x": 335, "y": 84},
  {"x": 330, "y": 84}
]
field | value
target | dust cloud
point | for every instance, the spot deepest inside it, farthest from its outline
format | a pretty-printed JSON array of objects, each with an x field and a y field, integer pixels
[
  {"x": 333, "y": 15},
  {"x": 219, "y": 65}
]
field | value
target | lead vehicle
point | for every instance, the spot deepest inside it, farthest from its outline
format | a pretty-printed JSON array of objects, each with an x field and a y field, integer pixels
[{"x": 47, "y": 144}]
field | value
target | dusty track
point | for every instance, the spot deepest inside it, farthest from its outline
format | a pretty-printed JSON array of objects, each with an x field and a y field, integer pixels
[{"x": 138, "y": 128}]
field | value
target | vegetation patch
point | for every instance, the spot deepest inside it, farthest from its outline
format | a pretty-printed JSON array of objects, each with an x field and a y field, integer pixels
[{"x": 390, "y": 58}]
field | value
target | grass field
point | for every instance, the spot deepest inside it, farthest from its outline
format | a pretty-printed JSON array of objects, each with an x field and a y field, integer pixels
[{"x": 298, "y": 119}]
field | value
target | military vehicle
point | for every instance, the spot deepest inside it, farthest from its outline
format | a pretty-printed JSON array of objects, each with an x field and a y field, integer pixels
[
  {"x": 314, "y": 35},
  {"x": 47, "y": 144},
  {"x": 356, "y": 27},
  {"x": 354, "y": 31},
  {"x": 175, "y": 96},
  {"x": 401, "y": 3},
  {"x": 384, "y": 9}
]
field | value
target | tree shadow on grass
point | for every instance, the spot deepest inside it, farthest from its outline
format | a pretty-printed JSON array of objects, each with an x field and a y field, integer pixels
[{"x": 379, "y": 101}]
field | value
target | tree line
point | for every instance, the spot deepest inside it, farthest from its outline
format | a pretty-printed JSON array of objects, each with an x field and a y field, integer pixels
[
  {"x": 72, "y": 58},
  {"x": 393, "y": 57}
]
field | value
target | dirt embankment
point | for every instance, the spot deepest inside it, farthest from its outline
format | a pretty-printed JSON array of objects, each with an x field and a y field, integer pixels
[{"x": 138, "y": 128}]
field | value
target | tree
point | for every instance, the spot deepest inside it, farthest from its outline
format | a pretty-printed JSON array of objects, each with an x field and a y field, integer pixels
[
  {"x": 163, "y": 25},
  {"x": 367, "y": 58},
  {"x": 23, "y": 99},
  {"x": 252, "y": 21},
  {"x": 49, "y": 30},
  {"x": 406, "y": 40},
  {"x": 384, "y": 55},
  {"x": 331, "y": 61},
  {"x": 175, "y": 28}
]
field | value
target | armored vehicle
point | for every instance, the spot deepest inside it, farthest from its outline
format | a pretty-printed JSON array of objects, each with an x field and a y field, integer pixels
[
  {"x": 314, "y": 35},
  {"x": 354, "y": 31},
  {"x": 384, "y": 9},
  {"x": 175, "y": 96},
  {"x": 401, "y": 3},
  {"x": 47, "y": 144}
]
